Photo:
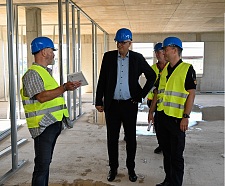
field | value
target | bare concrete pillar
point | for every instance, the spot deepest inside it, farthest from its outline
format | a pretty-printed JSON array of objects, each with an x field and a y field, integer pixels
[{"x": 33, "y": 29}]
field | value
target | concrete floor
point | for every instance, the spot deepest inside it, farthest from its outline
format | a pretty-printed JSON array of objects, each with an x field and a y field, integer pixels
[{"x": 80, "y": 156}]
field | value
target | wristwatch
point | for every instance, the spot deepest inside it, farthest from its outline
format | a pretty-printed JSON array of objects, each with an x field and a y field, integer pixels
[
  {"x": 64, "y": 86},
  {"x": 186, "y": 116}
]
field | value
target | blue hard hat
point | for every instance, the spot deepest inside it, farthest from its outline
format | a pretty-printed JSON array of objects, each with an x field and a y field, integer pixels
[
  {"x": 170, "y": 41},
  {"x": 123, "y": 34},
  {"x": 158, "y": 46},
  {"x": 40, "y": 43}
]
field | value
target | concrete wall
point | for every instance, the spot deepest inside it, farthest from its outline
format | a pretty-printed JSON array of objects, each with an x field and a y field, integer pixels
[{"x": 213, "y": 77}]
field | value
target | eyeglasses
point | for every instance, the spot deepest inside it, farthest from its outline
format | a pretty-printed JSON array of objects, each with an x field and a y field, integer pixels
[
  {"x": 122, "y": 42},
  {"x": 171, "y": 47}
]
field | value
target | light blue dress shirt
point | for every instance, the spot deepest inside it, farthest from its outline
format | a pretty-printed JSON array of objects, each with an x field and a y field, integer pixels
[{"x": 122, "y": 91}]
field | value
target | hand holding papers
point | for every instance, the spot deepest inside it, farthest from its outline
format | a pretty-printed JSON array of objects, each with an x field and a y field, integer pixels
[
  {"x": 149, "y": 126},
  {"x": 77, "y": 76}
]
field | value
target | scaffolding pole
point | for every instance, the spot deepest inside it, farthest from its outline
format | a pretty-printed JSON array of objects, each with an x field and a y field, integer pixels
[{"x": 14, "y": 150}]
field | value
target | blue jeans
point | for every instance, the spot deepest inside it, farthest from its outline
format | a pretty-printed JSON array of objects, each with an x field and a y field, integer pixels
[{"x": 44, "y": 145}]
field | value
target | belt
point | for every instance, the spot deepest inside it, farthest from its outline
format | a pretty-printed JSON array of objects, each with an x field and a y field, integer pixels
[{"x": 121, "y": 100}]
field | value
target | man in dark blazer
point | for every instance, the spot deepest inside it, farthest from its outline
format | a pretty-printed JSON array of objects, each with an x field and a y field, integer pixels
[{"x": 118, "y": 93}]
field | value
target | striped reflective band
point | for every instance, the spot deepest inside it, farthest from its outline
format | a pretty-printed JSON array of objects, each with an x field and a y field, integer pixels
[
  {"x": 175, "y": 105},
  {"x": 45, "y": 111},
  {"x": 178, "y": 94},
  {"x": 159, "y": 100},
  {"x": 29, "y": 101},
  {"x": 161, "y": 91}
]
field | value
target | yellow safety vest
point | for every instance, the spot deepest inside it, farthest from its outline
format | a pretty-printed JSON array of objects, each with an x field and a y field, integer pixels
[
  {"x": 155, "y": 68},
  {"x": 34, "y": 110},
  {"x": 172, "y": 95}
]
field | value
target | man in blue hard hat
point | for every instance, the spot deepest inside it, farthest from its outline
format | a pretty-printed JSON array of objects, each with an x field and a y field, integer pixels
[
  {"x": 118, "y": 93},
  {"x": 158, "y": 68},
  {"x": 44, "y": 107},
  {"x": 176, "y": 93}
]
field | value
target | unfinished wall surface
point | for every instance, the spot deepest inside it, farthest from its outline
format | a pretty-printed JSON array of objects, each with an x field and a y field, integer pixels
[
  {"x": 87, "y": 59},
  {"x": 213, "y": 77},
  {"x": 33, "y": 28}
]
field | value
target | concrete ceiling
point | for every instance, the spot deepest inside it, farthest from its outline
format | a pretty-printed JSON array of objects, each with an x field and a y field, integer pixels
[
  {"x": 141, "y": 16},
  {"x": 155, "y": 16}
]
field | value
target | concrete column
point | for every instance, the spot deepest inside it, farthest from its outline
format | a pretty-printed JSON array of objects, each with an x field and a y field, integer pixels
[{"x": 33, "y": 29}]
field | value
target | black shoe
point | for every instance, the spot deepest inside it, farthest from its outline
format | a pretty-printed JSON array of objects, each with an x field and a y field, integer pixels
[
  {"x": 158, "y": 150},
  {"x": 112, "y": 175},
  {"x": 165, "y": 183},
  {"x": 132, "y": 176}
]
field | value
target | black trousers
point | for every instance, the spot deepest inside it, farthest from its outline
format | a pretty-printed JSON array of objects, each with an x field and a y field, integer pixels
[
  {"x": 121, "y": 112},
  {"x": 172, "y": 142}
]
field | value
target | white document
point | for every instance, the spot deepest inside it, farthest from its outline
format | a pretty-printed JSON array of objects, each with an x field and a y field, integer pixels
[{"x": 77, "y": 76}]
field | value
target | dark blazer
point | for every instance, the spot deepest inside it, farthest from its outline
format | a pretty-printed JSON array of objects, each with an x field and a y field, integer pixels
[{"x": 108, "y": 78}]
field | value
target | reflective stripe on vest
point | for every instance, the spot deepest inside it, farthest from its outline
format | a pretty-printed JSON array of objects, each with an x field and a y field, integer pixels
[
  {"x": 161, "y": 91},
  {"x": 45, "y": 111},
  {"x": 172, "y": 95},
  {"x": 178, "y": 94},
  {"x": 29, "y": 101},
  {"x": 159, "y": 100},
  {"x": 178, "y": 106}
]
